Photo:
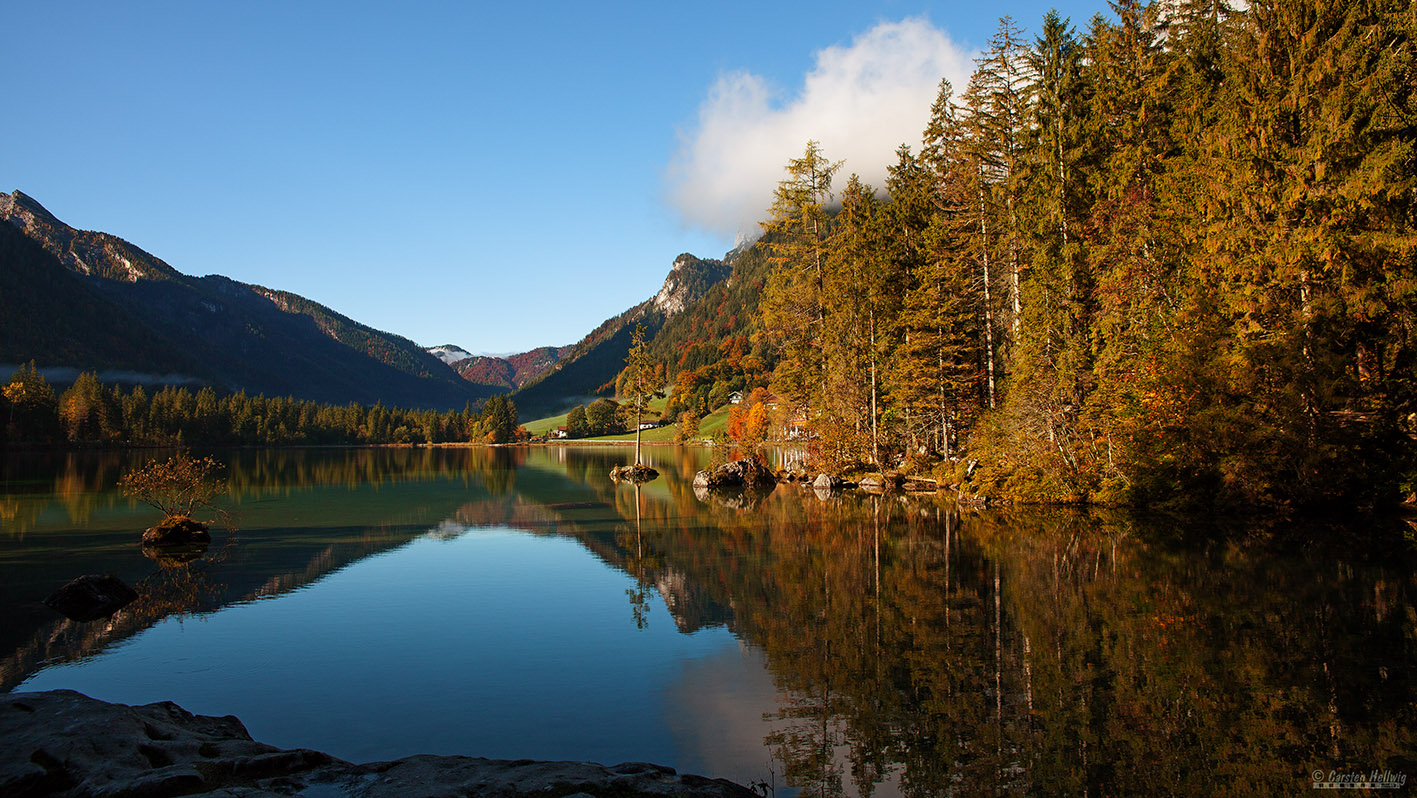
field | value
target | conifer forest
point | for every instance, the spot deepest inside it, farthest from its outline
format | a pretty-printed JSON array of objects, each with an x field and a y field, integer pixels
[{"x": 1163, "y": 258}]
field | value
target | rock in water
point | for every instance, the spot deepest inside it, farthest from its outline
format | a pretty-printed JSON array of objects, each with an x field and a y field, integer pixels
[
  {"x": 633, "y": 473},
  {"x": 64, "y": 743},
  {"x": 737, "y": 474},
  {"x": 177, "y": 530},
  {"x": 827, "y": 482},
  {"x": 91, "y": 597}
]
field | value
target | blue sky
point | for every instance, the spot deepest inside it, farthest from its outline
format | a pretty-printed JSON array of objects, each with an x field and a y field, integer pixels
[{"x": 494, "y": 176}]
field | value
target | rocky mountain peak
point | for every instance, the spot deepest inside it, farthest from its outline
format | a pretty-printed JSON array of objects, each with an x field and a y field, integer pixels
[
  {"x": 688, "y": 279},
  {"x": 22, "y": 210},
  {"x": 83, "y": 251}
]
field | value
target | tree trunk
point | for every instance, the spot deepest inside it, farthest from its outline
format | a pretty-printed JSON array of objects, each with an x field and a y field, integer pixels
[
  {"x": 988, "y": 301},
  {"x": 875, "y": 430},
  {"x": 637, "y": 430}
]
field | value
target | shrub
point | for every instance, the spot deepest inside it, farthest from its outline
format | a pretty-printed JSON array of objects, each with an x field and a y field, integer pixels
[{"x": 177, "y": 486}]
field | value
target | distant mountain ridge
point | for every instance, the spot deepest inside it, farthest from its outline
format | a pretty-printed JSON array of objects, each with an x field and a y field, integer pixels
[
  {"x": 139, "y": 313},
  {"x": 449, "y": 353},
  {"x": 510, "y": 372}
]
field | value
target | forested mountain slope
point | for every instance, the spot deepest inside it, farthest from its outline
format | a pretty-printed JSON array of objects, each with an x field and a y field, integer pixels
[
  {"x": 146, "y": 316},
  {"x": 590, "y": 367},
  {"x": 49, "y": 311}
]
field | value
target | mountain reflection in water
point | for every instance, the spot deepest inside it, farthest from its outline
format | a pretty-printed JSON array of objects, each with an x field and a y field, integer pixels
[{"x": 910, "y": 647}]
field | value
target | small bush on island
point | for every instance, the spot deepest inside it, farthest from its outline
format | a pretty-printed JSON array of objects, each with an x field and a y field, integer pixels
[{"x": 177, "y": 486}]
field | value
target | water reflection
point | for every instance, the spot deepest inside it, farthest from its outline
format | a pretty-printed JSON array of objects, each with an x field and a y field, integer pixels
[{"x": 914, "y": 648}]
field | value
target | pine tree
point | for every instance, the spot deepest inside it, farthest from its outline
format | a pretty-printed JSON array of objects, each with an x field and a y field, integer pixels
[
  {"x": 997, "y": 100},
  {"x": 792, "y": 309},
  {"x": 88, "y": 412},
  {"x": 31, "y": 406},
  {"x": 855, "y": 304},
  {"x": 944, "y": 324},
  {"x": 1314, "y": 236}
]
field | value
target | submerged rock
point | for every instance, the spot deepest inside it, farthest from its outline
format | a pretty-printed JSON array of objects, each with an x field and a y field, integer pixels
[
  {"x": 91, "y": 597},
  {"x": 633, "y": 473},
  {"x": 64, "y": 743},
  {"x": 177, "y": 530}
]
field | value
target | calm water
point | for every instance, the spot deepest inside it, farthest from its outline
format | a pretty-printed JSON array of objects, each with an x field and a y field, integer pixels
[{"x": 515, "y": 603}]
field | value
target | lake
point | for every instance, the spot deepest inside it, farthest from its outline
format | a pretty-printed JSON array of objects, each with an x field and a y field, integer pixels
[{"x": 515, "y": 603}]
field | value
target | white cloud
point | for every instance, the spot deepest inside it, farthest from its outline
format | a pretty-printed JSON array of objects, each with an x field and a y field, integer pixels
[{"x": 860, "y": 101}]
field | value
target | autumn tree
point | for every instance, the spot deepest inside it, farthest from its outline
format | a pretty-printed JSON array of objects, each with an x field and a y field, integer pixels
[
  {"x": 576, "y": 425},
  {"x": 90, "y": 412},
  {"x": 602, "y": 417},
  {"x": 177, "y": 486},
  {"x": 499, "y": 419},
  {"x": 639, "y": 385}
]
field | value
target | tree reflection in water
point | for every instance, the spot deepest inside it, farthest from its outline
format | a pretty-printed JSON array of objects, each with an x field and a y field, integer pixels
[
  {"x": 936, "y": 651},
  {"x": 917, "y": 648}
]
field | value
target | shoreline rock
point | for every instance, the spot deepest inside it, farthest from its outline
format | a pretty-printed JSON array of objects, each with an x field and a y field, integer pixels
[
  {"x": 745, "y": 473},
  {"x": 63, "y": 743}
]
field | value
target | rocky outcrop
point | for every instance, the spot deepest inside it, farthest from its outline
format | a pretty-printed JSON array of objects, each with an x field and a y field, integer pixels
[
  {"x": 91, "y": 597},
  {"x": 745, "y": 473},
  {"x": 633, "y": 473},
  {"x": 63, "y": 743},
  {"x": 688, "y": 279},
  {"x": 177, "y": 530}
]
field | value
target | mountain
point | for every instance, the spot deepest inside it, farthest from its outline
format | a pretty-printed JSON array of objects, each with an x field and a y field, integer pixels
[
  {"x": 449, "y": 354},
  {"x": 513, "y": 371},
  {"x": 725, "y": 310},
  {"x": 689, "y": 278},
  {"x": 500, "y": 374},
  {"x": 54, "y": 316},
  {"x": 588, "y": 369},
  {"x": 90, "y": 300},
  {"x": 548, "y": 380}
]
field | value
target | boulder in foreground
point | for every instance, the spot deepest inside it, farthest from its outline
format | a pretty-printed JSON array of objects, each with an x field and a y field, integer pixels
[
  {"x": 90, "y": 597},
  {"x": 63, "y": 743}
]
